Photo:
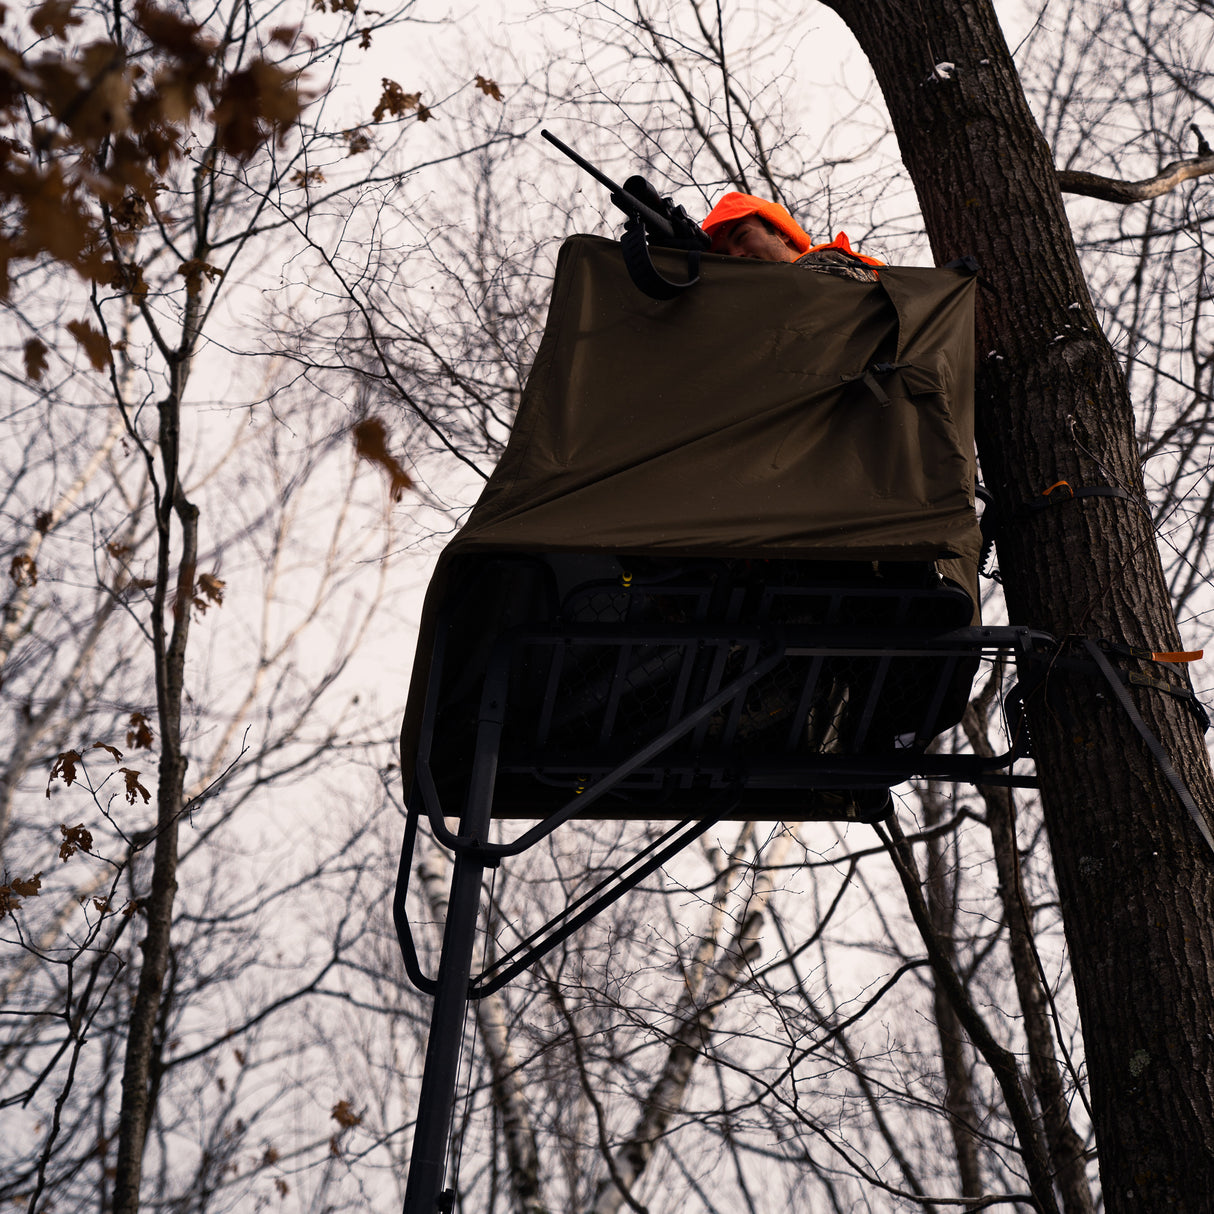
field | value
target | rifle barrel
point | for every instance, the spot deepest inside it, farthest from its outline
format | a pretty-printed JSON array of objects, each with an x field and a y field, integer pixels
[
  {"x": 585, "y": 164},
  {"x": 628, "y": 203}
]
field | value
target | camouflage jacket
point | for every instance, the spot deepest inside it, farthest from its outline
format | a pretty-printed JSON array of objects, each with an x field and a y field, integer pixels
[{"x": 838, "y": 263}]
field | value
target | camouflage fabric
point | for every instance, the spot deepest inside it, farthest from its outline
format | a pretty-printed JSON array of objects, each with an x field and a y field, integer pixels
[{"x": 838, "y": 263}]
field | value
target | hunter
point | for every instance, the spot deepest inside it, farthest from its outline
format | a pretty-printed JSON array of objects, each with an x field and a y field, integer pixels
[{"x": 742, "y": 225}]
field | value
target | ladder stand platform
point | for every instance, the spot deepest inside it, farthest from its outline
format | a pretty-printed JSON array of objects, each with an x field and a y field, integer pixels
[{"x": 679, "y": 691}]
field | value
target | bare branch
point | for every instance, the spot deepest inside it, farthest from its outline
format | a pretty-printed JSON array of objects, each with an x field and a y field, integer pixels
[{"x": 1110, "y": 189}]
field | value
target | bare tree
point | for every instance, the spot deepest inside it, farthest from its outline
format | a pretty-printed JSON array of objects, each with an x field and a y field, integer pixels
[{"x": 199, "y": 566}]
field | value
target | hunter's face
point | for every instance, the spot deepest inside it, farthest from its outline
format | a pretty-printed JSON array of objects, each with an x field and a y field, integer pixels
[{"x": 750, "y": 237}]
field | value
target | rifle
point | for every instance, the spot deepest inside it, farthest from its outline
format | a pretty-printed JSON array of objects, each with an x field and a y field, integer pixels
[{"x": 652, "y": 220}]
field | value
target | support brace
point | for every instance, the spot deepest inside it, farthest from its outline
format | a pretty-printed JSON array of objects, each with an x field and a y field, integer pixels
[{"x": 1153, "y": 743}]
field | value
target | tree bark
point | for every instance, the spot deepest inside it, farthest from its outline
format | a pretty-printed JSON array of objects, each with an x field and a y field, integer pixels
[
  {"x": 139, "y": 1074},
  {"x": 1135, "y": 876}
]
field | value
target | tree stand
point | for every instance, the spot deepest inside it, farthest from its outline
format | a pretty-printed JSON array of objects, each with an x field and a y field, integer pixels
[{"x": 690, "y": 691}]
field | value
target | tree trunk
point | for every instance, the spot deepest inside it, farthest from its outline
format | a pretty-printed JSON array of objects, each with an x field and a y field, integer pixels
[
  {"x": 728, "y": 948},
  {"x": 1067, "y": 1150},
  {"x": 1135, "y": 876},
  {"x": 939, "y": 888},
  {"x": 143, "y": 1041}
]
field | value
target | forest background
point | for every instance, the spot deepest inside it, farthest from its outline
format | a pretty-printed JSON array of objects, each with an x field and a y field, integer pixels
[{"x": 273, "y": 275}]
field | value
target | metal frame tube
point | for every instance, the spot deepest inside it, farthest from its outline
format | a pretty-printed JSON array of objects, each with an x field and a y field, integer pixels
[{"x": 436, "y": 1101}]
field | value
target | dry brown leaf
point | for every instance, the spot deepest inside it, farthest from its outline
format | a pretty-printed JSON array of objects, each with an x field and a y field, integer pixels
[
  {"x": 34, "y": 354},
  {"x": 489, "y": 87},
  {"x": 193, "y": 270},
  {"x": 133, "y": 787},
  {"x": 102, "y": 108},
  {"x": 395, "y": 101},
  {"x": 65, "y": 768},
  {"x": 52, "y": 18},
  {"x": 139, "y": 732},
  {"x": 95, "y": 344},
  {"x": 131, "y": 213},
  {"x": 371, "y": 442},
  {"x": 344, "y": 1115},
  {"x": 306, "y": 177},
  {"x": 208, "y": 592},
  {"x": 183, "y": 39},
  {"x": 126, "y": 277},
  {"x": 357, "y": 140},
  {"x": 27, "y": 887},
  {"x": 75, "y": 838},
  {"x": 256, "y": 103},
  {"x": 12, "y": 892}
]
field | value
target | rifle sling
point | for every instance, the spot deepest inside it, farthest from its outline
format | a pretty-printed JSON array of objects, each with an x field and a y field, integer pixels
[{"x": 644, "y": 274}]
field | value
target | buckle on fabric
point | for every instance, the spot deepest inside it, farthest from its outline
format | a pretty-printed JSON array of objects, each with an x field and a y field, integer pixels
[{"x": 868, "y": 377}]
